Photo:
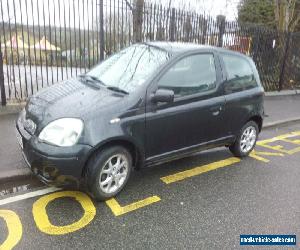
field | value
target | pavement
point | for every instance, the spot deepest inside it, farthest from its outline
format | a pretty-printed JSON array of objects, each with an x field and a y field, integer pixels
[
  {"x": 179, "y": 205},
  {"x": 280, "y": 109}
]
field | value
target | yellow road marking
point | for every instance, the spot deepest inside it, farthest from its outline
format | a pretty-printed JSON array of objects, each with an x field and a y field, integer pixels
[
  {"x": 293, "y": 151},
  {"x": 256, "y": 155},
  {"x": 291, "y": 141},
  {"x": 285, "y": 138},
  {"x": 14, "y": 227},
  {"x": 199, "y": 170},
  {"x": 259, "y": 158},
  {"x": 296, "y": 141},
  {"x": 42, "y": 221},
  {"x": 267, "y": 153},
  {"x": 118, "y": 210}
]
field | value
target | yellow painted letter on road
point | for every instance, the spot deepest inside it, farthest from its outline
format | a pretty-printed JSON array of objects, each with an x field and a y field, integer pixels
[
  {"x": 118, "y": 210},
  {"x": 14, "y": 227},
  {"x": 42, "y": 221}
]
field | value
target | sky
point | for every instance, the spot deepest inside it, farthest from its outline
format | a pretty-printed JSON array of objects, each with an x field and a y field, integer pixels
[
  {"x": 69, "y": 13},
  {"x": 213, "y": 7}
]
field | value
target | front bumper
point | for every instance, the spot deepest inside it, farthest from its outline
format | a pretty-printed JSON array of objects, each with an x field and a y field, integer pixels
[{"x": 58, "y": 166}]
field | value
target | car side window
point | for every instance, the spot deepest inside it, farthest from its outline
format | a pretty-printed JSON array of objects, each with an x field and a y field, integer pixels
[
  {"x": 240, "y": 74},
  {"x": 191, "y": 75}
]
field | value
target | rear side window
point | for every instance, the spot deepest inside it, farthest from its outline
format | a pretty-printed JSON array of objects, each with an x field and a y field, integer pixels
[
  {"x": 240, "y": 74},
  {"x": 191, "y": 75}
]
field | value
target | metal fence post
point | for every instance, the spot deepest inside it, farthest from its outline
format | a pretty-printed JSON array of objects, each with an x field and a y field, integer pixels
[
  {"x": 172, "y": 25},
  {"x": 285, "y": 56},
  {"x": 221, "y": 24},
  {"x": 204, "y": 30},
  {"x": 2, "y": 87},
  {"x": 101, "y": 32},
  {"x": 138, "y": 21}
]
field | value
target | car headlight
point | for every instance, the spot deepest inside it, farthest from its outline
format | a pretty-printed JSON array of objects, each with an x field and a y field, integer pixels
[{"x": 63, "y": 132}]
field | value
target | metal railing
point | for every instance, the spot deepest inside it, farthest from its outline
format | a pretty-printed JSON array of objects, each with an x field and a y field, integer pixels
[{"x": 43, "y": 41}]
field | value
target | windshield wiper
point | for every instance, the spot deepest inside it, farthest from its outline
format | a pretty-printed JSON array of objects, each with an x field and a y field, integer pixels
[
  {"x": 117, "y": 89},
  {"x": 91, "y": 79},
  {"x": 94, "y": 79}
]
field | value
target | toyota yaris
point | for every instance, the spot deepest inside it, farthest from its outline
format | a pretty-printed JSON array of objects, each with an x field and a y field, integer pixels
[{"x": 147, "y": 104}]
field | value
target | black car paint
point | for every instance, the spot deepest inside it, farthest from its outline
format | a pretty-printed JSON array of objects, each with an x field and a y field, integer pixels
[
  {"x": 182, "y": 113},
  {"x": 154, "y": 132}
]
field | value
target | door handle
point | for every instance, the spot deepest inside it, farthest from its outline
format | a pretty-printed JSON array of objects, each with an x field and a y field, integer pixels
[
  {"x": 215, "y": 113},
  {"x": 216, "y": 110}
]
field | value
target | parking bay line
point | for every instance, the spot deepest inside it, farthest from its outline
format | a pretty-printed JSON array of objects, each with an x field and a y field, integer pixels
[
  {"x": 28, "y": 195},
  {"x": 199, "y": 170},
  {"x": 118, "y": 210}
]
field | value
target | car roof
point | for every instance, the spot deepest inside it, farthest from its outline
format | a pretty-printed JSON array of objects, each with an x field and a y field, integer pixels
[{"x": 181, "y": 47}]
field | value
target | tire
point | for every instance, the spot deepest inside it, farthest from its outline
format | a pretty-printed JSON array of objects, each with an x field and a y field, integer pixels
[
  {"x": 105, "y": 178},
  {"x": 243, "y": 145}
]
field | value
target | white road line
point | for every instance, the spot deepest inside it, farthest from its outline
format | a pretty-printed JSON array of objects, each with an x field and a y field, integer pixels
[{"x": 28, "y": 195}]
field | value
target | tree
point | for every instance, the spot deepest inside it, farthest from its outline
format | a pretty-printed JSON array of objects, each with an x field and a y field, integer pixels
[
  {"x": 281, "y": 14},
  {"x": 287, "y": 14},
  {"x": 138, "y": 20},
  {"x": 258, "y": 12}
]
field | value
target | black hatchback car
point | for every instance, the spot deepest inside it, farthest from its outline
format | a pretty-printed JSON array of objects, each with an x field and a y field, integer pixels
[{"x": 147, "y": 104}]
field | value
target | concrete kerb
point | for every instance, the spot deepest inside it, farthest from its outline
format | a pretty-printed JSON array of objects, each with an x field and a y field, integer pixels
[
  {"x": 12, "y": 108},
  {"x": 15, "y": 174},
  {"x": 281, "y": 122},
  {"x": 282, "y": 93}
]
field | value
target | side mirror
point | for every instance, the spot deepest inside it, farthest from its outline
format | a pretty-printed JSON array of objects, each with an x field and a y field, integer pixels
[{"x": 163, "y": 95}]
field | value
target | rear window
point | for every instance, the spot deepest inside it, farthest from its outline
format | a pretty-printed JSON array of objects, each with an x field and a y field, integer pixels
[{"x": 240, "y": 74}]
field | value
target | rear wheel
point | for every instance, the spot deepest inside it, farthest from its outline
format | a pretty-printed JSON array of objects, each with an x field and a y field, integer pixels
[
  {"x": 246, "y": 140},
  {"x": 108, "y": 172}
]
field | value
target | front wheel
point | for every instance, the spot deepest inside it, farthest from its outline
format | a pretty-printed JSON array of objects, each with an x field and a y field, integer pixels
[
  {"x": 108, "y": 172},
  {"x": 246, "y": 140}
]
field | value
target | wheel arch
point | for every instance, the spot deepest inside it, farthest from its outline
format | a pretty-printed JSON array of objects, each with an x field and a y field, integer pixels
[
  {"x": 258, "y": 120},
  {"x": 135, "y": 151}
]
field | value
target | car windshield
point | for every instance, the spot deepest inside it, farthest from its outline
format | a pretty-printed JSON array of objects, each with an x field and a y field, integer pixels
[{"x": 128, "y": 69}]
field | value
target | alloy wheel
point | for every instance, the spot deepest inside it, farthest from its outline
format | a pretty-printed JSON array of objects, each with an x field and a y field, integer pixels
[
  {"x": 114, "y": 173},
  {"x": 248, "y": 139}
]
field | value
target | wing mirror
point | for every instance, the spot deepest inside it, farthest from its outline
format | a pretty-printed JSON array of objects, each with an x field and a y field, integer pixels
[{"x": 163, "y": 95}]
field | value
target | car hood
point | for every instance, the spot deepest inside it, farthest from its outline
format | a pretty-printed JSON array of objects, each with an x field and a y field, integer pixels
[{"x": 72, "y": 98}]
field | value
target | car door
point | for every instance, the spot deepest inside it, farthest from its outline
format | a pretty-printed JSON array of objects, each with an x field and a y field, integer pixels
[
  {"x": 196, "y": 114},
  {"x": 241, "y": 91}
]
